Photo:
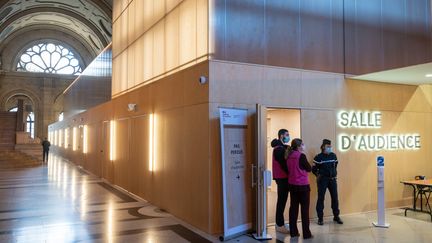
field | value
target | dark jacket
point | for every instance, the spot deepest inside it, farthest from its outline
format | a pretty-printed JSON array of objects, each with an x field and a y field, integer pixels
[
  {"x": 46, "y": 145},
  {"x": 279, "y": 153},
  {"x": 325, "y": 165}
]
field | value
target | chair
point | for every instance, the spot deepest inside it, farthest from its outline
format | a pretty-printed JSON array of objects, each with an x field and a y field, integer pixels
[{"x": 423, "y": 191}]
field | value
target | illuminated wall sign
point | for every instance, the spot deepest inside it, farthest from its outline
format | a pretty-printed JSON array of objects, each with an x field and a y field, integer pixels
[
  {"x": 359, "y": 119},
  {"x": 375, "y": 141}
]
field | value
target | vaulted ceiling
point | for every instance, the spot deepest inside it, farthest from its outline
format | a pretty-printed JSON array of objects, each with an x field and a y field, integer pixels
[{"x": 88, "y": 21}]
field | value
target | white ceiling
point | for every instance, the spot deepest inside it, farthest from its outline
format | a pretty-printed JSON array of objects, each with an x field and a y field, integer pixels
[{"x": 411, "y": 75}]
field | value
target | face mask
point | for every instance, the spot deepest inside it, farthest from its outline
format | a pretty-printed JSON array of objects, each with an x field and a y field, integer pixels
[
  {"x": 286, "y": 139},
  {"x": 328, "y": 150}
]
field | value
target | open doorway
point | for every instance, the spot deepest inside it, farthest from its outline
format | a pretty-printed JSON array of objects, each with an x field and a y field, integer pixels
[{"x": 289, "y": 119}]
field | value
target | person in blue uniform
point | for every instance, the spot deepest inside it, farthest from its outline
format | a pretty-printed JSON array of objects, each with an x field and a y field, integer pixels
[{"x": 325, "y": 169}]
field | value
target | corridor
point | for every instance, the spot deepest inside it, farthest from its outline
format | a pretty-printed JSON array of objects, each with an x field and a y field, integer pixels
[{"x": 59, "y": 202}]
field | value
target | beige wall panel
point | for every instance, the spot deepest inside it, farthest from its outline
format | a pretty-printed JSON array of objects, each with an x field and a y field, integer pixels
[
  {"x": 121, "y": 161},
  {"x": 369, "y": 95},
  {"x": 130, "y": 68},
  {"x": 283, "y": 86},
  {"x": 124, "y": 4},
  {"x": 148, "y": 11},
  {"x": 158, "y": 9},
  {"x": 116, "y": 9},
  {"x": 316, "y": 87},
  {"x": 139, "y": 158},
  {"x": 188, "y": 31},
  {"x": 227, "y": 80},
  {"x": 202, "y": 34},
  {"x": 194, "y": 92},
  {"x": 143, "y": 99},
  {"x": 169, "y": 93},
  {"x": 107, "y": 165},
  {"x": 124, "y": 31},
  {"x": 172, "y": 39},
  {"x": 139, "y": 18},
  {"x": 139, "y": 61},
  {"x": 116, "y": 39},
  {"x": 418, "y": 99},
  {"x": 315, "y": 126},
  {"x": 174, "y": 165},
  {"x": 120, "y": 106},
  {"x": 215, "y": 197},
  {"x": 159, "y": 48},
  {"x": 196, "y": 155},
  {"x": 123, "y": 82},
  {"x": 148, "y": 55},
  {"x": 171, "y": 4},
  {"x": 132, "y": 32},
  {"x": 115, "y": 76},
  {"x": 93, "y": 162}
]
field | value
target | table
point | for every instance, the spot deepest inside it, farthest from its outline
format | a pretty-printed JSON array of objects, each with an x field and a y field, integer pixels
[{"x": 417, "y": 186}]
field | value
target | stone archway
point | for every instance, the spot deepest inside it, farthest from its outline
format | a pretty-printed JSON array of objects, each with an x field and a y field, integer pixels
[{"x": 7, "y": 99}]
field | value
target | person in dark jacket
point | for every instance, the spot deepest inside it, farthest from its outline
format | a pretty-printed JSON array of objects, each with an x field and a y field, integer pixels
[
  {"x": 298, "y": 179},
  {"x": 280, "y": 175},
  {"x": 325, "y": 165},
  {"x": 45, "y": 145}
]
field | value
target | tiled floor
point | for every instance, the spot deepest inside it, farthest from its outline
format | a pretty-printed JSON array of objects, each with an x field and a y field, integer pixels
[{"x": 59, "y": 202}]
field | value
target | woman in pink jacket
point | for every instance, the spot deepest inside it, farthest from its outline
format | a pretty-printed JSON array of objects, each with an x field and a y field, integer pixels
[{"x": 298, "y": 179}]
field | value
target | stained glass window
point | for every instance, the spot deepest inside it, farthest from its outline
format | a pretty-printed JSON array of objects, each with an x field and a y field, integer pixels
[{"x": 49, "y": 58}]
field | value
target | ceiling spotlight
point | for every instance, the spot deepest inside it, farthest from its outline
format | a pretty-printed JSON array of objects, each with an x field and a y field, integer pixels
[{"x": 429, "y": 75}]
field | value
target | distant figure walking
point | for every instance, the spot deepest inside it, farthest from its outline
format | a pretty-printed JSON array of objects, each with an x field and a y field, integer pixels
[{"x": 45, "y": 145}]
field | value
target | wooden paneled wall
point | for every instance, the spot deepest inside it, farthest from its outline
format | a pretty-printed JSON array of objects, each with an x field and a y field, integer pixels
[
  {"x": 320, "y": 96},
  {"x": 341, "y": 36},
  {"x": 179, "y": 182},
  {"x": 152, "y": 38}
]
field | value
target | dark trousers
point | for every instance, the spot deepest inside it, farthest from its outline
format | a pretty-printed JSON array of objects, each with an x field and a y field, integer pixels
[
  {"x": 45, "y": 155},
  {"x": 331, "y": 184},
  {"x": 299, "y": 198},
  {"x": 282, "y": 191}
]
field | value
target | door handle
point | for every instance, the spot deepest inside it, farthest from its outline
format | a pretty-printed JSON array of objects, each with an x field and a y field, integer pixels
[{"x": 253, "y": 176}]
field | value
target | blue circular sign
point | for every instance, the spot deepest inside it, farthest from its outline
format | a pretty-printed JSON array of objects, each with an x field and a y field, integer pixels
[{"x": 380, "y": 161}]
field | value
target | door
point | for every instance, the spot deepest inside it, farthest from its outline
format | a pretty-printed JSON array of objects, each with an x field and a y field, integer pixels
[
  {"x": 105, "y": 162},
  {"x": 261, "y": 173}
]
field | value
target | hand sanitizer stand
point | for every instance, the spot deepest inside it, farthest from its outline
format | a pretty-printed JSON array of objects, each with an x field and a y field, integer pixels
[{"x": 381, "y": 199}]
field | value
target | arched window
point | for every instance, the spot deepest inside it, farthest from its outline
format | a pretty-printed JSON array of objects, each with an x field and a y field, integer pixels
[
  {"x": 49, "y": 58},
  {"x": 14, "y": 109},
  {"x": 30, "y": 124}
]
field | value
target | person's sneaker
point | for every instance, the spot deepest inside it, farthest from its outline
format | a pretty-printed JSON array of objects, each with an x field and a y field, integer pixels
[
  {"x": 320, "y": 222},
  {"x": 338, "y": 220},
  {"x": 282, "y": 229}
]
